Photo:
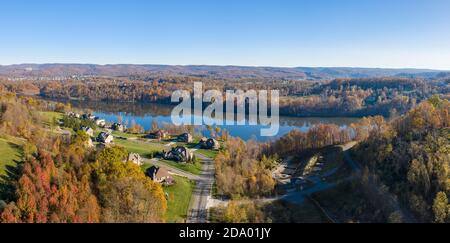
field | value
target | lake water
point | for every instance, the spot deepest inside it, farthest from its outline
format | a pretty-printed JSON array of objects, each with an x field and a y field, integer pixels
[{"x": 145, "y": 113}]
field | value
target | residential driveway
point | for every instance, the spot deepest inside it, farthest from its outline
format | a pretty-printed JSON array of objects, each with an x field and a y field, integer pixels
[
  {"x": 171, "y": 169},
  {"x": 198, "y": 212}
]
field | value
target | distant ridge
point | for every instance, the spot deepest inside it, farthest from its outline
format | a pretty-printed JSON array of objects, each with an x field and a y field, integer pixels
[{"x": 211, "y": 71}]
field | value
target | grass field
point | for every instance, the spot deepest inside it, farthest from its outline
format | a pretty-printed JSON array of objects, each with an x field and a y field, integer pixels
[
  {"x": 9, "y": 152},
  {"x": 195, "y": 168},
  {"x": 144, "y": 149},
  {"x": 145, "y": 166},
  {"x": 179, "y": 198},
  {"x": 208, "y": 153},
  {"x": 127, "y": 135}
]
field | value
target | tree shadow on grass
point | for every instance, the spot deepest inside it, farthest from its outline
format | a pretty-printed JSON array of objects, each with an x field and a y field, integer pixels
[{"x": 8, "y": 181}]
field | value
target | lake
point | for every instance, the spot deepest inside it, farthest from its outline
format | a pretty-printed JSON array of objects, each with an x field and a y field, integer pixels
[{"x": 145, "y": 113}]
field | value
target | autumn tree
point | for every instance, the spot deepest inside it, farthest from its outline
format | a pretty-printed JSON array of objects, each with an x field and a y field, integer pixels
[
  {"x": 135, "y": 128},
  {"x": 47, "y": 194},
  {"x": 410, "y": 155},
  {"x": 129, "y": 199},
  {"x": 125, "y": 193},
  {"x": 243, "y": 212},
  {"x": 242, "y": 170},
  {"x": 441, "y": 208}
]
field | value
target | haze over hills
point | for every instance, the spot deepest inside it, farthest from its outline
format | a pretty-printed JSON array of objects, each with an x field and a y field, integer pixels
[{"x": 210, "y": 71}]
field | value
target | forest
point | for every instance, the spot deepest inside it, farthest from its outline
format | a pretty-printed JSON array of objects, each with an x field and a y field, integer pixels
[
  {"x": 402, "y": 146},
  {"x": 62, "y": 180},
  {"x": 405, "y": 173},
  {"x": 243, "y": 171},
  {"x": 355, "y": 97},
  {"x": 411, "y": 157}
]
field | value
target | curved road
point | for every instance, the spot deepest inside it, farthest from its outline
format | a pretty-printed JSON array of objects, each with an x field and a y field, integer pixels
[
  {"x": 320, "y": 185},
  {"x": 198, "y": 212}
]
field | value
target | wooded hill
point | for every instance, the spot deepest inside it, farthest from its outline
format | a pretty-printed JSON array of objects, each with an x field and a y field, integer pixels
[{"x": 208, "y": 71}]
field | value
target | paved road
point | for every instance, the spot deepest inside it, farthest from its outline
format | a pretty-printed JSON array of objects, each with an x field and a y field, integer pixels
[
  {"x": 198, "y": 212},
  {"x": 319, "y": 184}
]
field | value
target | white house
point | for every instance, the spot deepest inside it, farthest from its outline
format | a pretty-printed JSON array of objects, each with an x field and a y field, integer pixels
[
  {"x": 135, "y": 158},
  {"x": 104, "y": 137},
  {"x": 100, "y": 122}
]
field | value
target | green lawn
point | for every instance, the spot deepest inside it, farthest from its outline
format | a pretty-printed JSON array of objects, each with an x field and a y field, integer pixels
[
  {"x": 145, "y": 166},
  {"x": 179, "y": 197},
  {"x": 126, "y": 135},
  {"x": 9, "y": 152},
  {"x": 144, "y": 149},
  {"x": 178, "y": 200},
  {"x": 208, "y": 153},
  {"x": 195, "y": 168}
]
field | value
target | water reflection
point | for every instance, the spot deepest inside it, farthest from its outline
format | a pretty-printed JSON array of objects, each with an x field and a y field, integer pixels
[{"x": 145, "y": 113}]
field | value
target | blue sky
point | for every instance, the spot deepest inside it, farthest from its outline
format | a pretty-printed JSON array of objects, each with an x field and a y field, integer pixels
[{"x": 357, "y": 33}]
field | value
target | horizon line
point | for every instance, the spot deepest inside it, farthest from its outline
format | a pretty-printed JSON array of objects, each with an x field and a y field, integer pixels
[{"x": 227, "y": 65}]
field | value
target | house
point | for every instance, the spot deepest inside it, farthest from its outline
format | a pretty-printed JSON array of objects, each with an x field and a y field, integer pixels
[
  {"x": 160, "y": 134},
  {"x": 89, "y": 131},
  {"x": 159, "y": 175},
  {"x": 135, "y": 158},
  {"x": 105, "y": 137},
  {"x": 73, "y": 114},
  {"x": 100, "y": 122},
  {"x": 88, "y": 117},
  {"x": 180, "y": 154},
  {"x": 185, "y": 138},
  {"x": 118, "y": 127},
  {"x": 210, "y": 143}
]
